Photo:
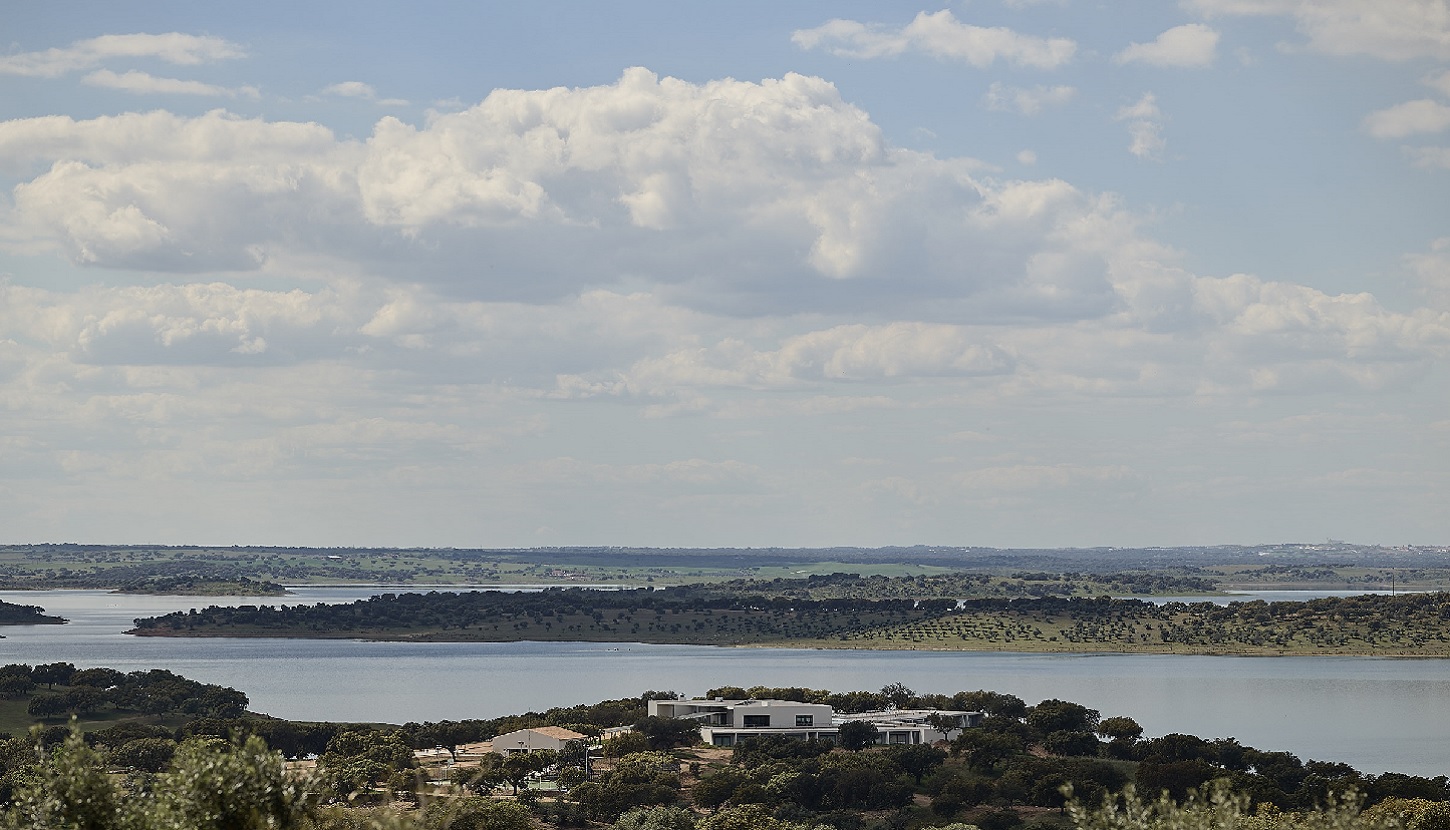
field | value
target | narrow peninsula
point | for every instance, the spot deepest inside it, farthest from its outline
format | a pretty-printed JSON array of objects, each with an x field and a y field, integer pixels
[
  {"x": 13, "y": 614},
  {"x": 1407, "y": 625}
]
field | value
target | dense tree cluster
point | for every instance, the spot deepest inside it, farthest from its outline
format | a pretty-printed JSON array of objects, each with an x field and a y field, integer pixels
[
  {"x": 693, "y": 613},
  {"x": 13, "y": 614},
  {"x": 88, "y": 691},
  {"x": 201, "y": 584},
  {"x": 1407, "y": 624}
]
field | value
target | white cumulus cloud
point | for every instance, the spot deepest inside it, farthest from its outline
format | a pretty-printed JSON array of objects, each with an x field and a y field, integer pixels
[
  {"x": 363, "y": 91},
  {"x": 1191, "y": 45},
  {"x": 187, "y": 324},
  {"x": 940, "y": 35},
  {"x": 1027, "y": 101},
  {"x": 1409, "y": 118},
  {"x": 1145, "y": 127},
  {"x": 143, "y": 83},
  {"x": 172, "y": 47}
]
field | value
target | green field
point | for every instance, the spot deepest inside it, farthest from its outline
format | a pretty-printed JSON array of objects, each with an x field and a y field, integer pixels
[
  {"x": 262, "y": 570},
  {"x": 15, "y": 721}
]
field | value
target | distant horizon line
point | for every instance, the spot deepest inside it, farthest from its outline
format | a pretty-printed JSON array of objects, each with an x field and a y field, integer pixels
[{"x": 1328, "y": 545}]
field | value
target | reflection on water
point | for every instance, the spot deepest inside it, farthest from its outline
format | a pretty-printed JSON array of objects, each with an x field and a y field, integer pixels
[{"x": 1376, "y": 714}]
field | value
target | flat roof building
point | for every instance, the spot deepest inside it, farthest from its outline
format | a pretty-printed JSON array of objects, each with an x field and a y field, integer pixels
[{"x": 725, "y": 722}]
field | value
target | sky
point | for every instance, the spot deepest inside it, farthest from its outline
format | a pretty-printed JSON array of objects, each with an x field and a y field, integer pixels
[{"x": 1006, "y": 273}]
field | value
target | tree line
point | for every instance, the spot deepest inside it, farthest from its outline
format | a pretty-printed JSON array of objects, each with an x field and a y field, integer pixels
[{"x": 71, "y": 691}]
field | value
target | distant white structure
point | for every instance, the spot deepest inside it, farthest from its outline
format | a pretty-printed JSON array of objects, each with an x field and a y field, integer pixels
[
  {"x": 915, "y": 726},
  {"x": 726, "y": 722},
  {"x": 539, "y": 737}
]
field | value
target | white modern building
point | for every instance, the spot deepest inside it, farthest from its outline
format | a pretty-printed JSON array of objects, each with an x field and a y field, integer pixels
[{"x": 725, "y": 722}]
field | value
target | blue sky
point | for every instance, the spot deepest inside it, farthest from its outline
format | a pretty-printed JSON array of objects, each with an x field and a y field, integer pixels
[{"x": 1002, "y": 272}]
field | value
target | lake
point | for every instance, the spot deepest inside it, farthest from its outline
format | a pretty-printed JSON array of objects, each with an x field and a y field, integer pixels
[{"x": 1375, "y": 714}]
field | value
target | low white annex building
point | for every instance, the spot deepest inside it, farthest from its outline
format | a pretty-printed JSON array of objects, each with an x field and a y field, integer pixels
[
  {"x": 916, "y": 726},
  {"x": 724, "y": 722},
  {"x": 539, "y": 737}
]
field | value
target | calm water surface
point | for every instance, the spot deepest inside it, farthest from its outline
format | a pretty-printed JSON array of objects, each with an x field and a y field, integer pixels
[{"x": 1376, "y": 714}]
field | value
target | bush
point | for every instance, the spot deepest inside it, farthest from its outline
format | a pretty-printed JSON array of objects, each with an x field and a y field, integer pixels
[
  {"x": 1069, "y": 742},
  {"x": 478, "y": 814},
  {"x": 145, "y": 754},
  {"x": 998, "y": 820},
  {"x": 656, "y": 818},
  {"x": 625, "y": 743},
  {"x": 1215, "y": 807},
  {"x": 209, "y": 784}
]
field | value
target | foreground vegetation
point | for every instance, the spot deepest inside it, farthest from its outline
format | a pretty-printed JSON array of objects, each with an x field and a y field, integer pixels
[
  {"x": 1405, "y": 625},
  {"x": 1016, "y": 770}
]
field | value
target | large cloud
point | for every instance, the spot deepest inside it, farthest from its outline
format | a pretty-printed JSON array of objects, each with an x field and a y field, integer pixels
[
  {"x": 163, "y": 192},
  {"x": 749, "y": 196}
]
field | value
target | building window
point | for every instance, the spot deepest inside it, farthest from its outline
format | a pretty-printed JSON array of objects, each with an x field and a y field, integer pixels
[
  {"x": 805, "y": 720},
  {"x": 757, "y": 721}
]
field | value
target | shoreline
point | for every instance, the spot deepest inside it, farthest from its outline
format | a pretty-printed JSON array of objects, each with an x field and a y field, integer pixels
[{"x": 812, "y": 645}]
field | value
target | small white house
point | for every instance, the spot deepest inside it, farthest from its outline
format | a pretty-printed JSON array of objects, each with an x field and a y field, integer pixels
[{"x": 539, "y": 737}]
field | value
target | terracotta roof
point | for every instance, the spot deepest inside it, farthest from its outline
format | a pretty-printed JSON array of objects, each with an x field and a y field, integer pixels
[{"x": 558, "y": 732}]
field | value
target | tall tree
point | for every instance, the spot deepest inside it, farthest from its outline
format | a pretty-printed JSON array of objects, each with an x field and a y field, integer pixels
[{"x": 856, "y": 735}]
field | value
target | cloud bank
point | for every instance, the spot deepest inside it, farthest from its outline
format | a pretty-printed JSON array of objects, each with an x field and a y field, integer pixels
[{"x": 644, "y": 294}]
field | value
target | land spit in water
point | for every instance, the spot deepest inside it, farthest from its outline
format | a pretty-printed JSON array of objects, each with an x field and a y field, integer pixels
[{"x": 1410, "y": 625}]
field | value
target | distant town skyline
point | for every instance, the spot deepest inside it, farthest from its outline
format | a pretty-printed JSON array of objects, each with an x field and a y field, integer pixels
[{"x": 1007, "y": 273}]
